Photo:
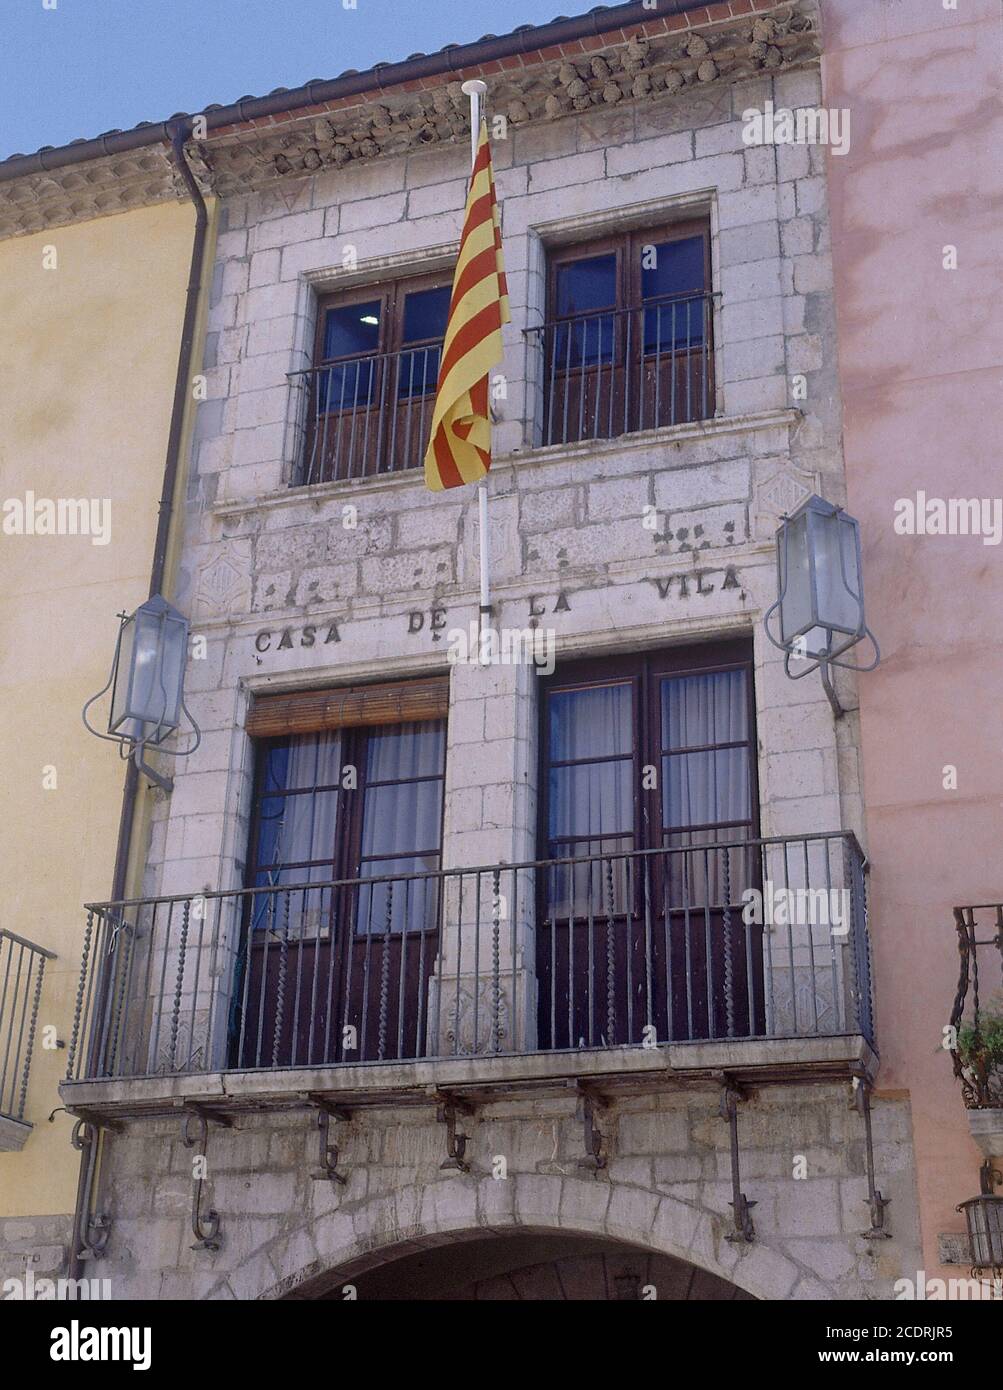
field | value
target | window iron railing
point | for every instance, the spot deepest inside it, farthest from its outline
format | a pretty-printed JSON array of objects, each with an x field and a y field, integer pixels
[
  {"x": 606, "y": 949},
  {"x": 620, "y": 371},
  {"x": 364, "y": 416},
  {"x": 22, "y": 970},
  {"x": 975, "y": 1038}
]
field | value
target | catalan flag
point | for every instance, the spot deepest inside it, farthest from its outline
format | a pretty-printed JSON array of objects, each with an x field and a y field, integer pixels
[{"x": 459, "y": 450}]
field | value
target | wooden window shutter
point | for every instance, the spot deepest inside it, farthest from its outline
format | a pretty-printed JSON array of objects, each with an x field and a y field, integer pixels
[{"x": 310, "y": 711}]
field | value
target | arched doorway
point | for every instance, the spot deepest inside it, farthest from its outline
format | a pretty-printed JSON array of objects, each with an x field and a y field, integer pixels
[{"x": 528, "y": 1267}]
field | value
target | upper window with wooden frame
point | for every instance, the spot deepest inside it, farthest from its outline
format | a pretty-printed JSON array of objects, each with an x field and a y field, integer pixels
[
  {"x": 371, "y": 390},
  {"x": 628, "y": 341}
]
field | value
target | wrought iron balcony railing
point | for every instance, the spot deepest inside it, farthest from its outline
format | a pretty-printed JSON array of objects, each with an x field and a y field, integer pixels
[
  {"x": 22, "y": 969},
  {"x": 761, "y": 938},
  {"x": 976, "y": 1036},
  {"x": 620, "y": 371},
  {"x": 362, "y": 416},
  {"x": 597, "y": 376}
]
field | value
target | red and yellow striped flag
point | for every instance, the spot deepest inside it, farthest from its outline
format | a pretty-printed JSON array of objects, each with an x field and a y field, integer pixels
[{"x": 459, "y": 450}]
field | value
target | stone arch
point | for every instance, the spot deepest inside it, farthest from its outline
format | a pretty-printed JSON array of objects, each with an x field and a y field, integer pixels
[{"x": 341, "y": 1237}]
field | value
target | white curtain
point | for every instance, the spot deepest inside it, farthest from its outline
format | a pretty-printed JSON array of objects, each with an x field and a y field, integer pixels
[
  {"x": 712, "y": 786},
  {"x": 592, "y": 800},
  {"x": 298, "y": 829},
  {"x": 401, "y": 818}
]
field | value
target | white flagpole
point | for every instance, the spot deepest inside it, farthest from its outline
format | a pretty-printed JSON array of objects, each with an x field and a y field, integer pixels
[{"x": 475, "y": 90}]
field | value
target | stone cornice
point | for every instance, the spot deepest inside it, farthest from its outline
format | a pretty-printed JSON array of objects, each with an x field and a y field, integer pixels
[{"x": 237, "y": 159}]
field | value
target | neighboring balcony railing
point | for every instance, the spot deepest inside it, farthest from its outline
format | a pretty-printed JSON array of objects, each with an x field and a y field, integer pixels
[
  {"x": 22, "y": 969},
  {"x": 976, "y": 1036},
  {"x": 761, "y": 938},
  {"x": 363, "y": 416},
  {"x": 619, "y": 371}
]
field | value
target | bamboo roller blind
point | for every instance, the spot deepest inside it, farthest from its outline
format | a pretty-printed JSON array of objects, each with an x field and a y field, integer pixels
[{"x": 310, "y": 711}]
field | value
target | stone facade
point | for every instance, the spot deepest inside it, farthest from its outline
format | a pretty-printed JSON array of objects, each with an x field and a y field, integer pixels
[
  {"x": 666, "y": 1189},
  {"x": 296, "y": 586}
]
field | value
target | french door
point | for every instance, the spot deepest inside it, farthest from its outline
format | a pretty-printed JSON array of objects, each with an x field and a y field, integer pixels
[
  {"x": 649, "y": 801},
  {"x": 340, "y": 973}
]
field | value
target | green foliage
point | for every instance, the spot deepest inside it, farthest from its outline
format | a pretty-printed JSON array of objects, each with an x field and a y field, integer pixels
[{"x": 982, "y": 1045}]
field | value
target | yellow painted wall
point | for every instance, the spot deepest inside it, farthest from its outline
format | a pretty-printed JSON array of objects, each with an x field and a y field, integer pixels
[{"x": 88, "y": 357}]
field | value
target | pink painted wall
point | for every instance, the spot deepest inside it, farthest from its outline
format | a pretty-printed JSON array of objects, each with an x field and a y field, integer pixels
[{"x": 921, "y": 365}]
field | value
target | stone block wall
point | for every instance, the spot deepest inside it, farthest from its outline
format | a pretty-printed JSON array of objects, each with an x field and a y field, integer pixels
[{"x": 666, "y": 1188}]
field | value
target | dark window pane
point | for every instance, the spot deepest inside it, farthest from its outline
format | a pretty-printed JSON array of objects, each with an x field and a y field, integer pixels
[
  {"x": 406, "y": 750},
  {"x": 587, "y": 342},
  {"x": 704, "y": 788},
  {"x": 591, "y": 799},
  {"x": 700, "y": 710},
  {"x": 593, "y": 722},
  {"x": 672, "y": 267},
  {"x": 418, "y": 371},
  {"x": 697, "y": 878},
  {"x": 352, "y": 329},
  {"x": 425, "y": 313},
  {"x": 593, "y": 888},
  {"x": 409, "y": 904},
  {"x": 349, "y": 388},
  {"x": 304, "y": 760},
  {"x": 675, "y": 326},
  {"x": 402, "y": 817},
  {"x": 303, "y": 911},
  {"x": 586, "y": 285}
]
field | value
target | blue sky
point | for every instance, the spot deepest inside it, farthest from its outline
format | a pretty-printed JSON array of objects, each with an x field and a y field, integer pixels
[{"x": 87, "y": 66}]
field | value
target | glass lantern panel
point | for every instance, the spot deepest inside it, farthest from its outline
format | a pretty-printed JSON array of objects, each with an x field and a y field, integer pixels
[
  {"x": 796, "y": 616},
  {"x": 157, "y": 672},
  {"x": 837, "y": 580},
  {"x": 119, "y": 721}
]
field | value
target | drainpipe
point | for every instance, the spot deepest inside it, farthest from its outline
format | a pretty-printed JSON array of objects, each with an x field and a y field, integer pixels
[{"x": 179, "y": 133}]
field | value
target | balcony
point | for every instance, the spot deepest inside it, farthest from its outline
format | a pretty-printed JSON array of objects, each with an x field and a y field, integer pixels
[
  {"x": 511, "y": 974},
  {"x": 597, "y": 376},
  {"x": 22, "y": 970}
]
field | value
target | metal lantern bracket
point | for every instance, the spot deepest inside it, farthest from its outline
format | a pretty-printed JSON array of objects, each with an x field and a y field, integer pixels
[
  {"x": 327, "y": 1161},
  {"x": 822, "y": 664},
  {"x": 744, "y": 1232},
  {"x": 589, "y": 1103},
  {"x": 447, "y": 1108},
  {"x": 135, "y": 748},
  {"x": 93, "y": 1228},
  {"x": 876, "y": 1203},
  {"x": 205, "y": 1225}
]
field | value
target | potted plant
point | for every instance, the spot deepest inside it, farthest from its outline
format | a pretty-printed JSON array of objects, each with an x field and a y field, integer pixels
[{"x": 979, "y": 1064}]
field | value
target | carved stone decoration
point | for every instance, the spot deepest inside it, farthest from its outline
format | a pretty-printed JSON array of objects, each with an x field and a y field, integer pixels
[
  {"x": 243, "y": 157},
  {"x": 223, "y": 584},
  {"x": 777, "y": 496},
  {"x": 459, "y": 1017}
]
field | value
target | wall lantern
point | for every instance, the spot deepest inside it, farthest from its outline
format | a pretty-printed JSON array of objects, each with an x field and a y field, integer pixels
[
  {"x": 821, "y": 594},
  {"x": 147, "y": 685},
  {"x": 984, "y": 1219}
]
